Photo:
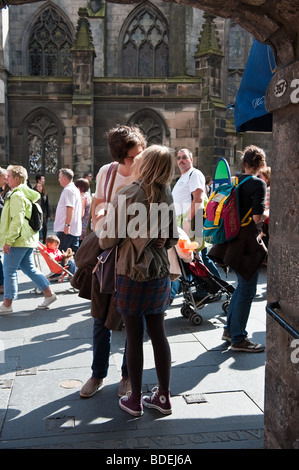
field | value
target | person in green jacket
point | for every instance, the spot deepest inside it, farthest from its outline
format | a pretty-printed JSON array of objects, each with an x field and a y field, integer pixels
[{"x": 18, "y": 240}]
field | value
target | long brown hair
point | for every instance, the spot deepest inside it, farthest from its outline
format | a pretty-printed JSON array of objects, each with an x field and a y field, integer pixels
[{"x": 155, "y": 170}]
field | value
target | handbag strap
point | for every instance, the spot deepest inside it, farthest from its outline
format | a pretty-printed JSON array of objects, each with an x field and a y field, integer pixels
[{"x": 112, "y": 170}]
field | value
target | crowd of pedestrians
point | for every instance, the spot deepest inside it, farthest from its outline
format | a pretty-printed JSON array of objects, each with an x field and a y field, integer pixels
[{"x": 88, "y": 217}]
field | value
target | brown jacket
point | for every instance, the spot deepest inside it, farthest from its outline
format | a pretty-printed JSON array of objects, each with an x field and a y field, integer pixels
[{"x": 138, "y": 257}]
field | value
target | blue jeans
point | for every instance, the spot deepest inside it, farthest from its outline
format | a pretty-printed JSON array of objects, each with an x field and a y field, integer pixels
[
  {"x": 101, "y": 350},
  {"x": 239, "y": 309},
  {"x": 22, "y": 258},
  {"x": 68, "y": 241},
  {"x": 1, "y": 273},
  {"x": 209, "y": 263},
  {"x": 71, "y": 266}
]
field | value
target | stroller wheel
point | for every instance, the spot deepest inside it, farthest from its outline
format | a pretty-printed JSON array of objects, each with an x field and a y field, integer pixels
[
  {"x": 186, "y": 311},
  {"x": 195, "y": 319},
  {"x": 225, "y": 306}
]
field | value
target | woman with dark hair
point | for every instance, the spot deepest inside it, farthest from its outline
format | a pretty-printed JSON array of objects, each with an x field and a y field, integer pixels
[
  {"x": 125, "y": 143},
  {"x": 143, "y": 283},
  {"x": 246, "y": 253},
  {"x": 83, "y": 186}
]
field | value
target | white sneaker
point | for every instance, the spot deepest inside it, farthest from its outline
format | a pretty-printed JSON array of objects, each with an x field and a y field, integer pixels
[
  {"x": 48, "y": 301},
  {"x": 4, "y": 309}
]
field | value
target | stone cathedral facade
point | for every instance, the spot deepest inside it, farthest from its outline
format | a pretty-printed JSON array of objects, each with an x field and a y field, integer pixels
[{"x": 70, "y": 70}]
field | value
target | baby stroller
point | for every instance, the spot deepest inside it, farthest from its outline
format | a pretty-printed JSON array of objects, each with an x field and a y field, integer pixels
[
  {"x": 54, "y": 266},
  {"x": 202, "y": 278}
]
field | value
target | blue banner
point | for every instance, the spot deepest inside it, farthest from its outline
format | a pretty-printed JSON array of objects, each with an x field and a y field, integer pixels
[{"x": 250, "y": 111}]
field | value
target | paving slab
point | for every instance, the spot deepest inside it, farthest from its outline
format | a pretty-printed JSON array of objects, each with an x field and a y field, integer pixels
[{"x": 45, "y": 357}]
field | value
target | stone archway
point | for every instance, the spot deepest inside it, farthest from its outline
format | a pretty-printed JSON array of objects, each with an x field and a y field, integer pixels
[{"x": 274, "y": 23}]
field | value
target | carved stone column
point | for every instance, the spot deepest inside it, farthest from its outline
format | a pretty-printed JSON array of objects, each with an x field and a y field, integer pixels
[
  {"x": 83, "y": 99},
  {"x": 212, "y": 122},
  {"x": 282, "y": 366}
]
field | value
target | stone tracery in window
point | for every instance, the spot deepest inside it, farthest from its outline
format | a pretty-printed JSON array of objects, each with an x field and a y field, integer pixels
[
  {"x": 43, "y": 145},
  {"x": 240, "y": 42},
  {"x": 152, "y": 124},
  {"x": 145, "y": 45},
  {"x": 50, "y": 45}
]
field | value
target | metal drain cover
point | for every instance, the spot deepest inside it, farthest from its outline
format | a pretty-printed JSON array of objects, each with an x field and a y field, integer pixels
[
  {"x": 195, "y": 398},
  {"x": 71, "y": 383},
  {"x": 62, "y": 423}
]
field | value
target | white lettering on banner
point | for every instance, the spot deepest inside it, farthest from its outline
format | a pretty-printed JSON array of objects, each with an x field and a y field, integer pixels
[{"x": 258, "y": 102}]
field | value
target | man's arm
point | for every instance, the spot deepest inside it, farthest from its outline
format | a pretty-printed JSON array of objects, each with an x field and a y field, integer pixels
[
  {"x": 196, "y": 200},
  {"x": 68, "y": 219}
]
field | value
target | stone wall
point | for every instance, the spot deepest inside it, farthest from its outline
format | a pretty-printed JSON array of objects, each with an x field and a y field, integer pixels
[
  {"x": 282, "y": 369},
  {"x": 177, "y": 102}
]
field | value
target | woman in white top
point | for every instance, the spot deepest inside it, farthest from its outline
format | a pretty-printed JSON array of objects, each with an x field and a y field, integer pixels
[{"x": 125, "y": 144}]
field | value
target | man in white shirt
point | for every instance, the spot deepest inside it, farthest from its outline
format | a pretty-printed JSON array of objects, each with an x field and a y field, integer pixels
[
  {"x": 68, "y": 217},
  {"x": 188, "y": 192},
  {"x": 188, "y": 195}
]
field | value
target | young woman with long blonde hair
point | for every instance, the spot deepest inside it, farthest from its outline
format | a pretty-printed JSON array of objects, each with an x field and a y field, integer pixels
[{"x": 143, "y": 283}]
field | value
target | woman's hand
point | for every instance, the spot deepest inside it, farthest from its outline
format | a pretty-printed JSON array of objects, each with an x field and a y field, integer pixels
[{"x": 6, "y": 248}]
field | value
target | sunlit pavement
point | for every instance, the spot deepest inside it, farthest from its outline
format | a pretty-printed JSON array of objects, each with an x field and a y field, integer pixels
[{"x": 45, "y": 357}]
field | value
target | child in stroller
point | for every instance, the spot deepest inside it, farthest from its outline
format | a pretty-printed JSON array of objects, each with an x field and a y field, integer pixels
[
  {"x": 196, "y": 275},
  {"x": 65, "y": 259}
]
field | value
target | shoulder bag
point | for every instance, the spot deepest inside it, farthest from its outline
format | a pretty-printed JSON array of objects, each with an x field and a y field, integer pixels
[
  {"x": 105, "y": 269},
  {"x": 89, "y": 249}
]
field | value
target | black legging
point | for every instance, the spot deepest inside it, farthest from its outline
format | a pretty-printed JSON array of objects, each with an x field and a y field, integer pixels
[{"x": 156, "y": 331}]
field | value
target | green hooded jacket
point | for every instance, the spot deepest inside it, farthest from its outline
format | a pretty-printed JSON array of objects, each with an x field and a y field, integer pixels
[{"x": 14, "y": 227}]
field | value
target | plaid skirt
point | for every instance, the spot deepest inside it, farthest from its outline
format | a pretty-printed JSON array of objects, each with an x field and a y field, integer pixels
[{"x": 142, "y": 298}]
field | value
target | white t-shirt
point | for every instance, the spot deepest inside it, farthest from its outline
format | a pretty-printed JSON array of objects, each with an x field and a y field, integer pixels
[
  {"x": 119, "y": 183},
  {"x": 69, "y": 197},
  {"x": 186, "y": 184}
]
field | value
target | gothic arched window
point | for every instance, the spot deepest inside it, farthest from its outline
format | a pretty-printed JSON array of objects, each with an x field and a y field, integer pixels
[
  {"x": 50, "y": 45},
  {"x": 145, "y": 44},
  {"x": 43, "y": 144},
  {"x": 240, "y": 42},
  {"x": 152, "y": 124}
]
